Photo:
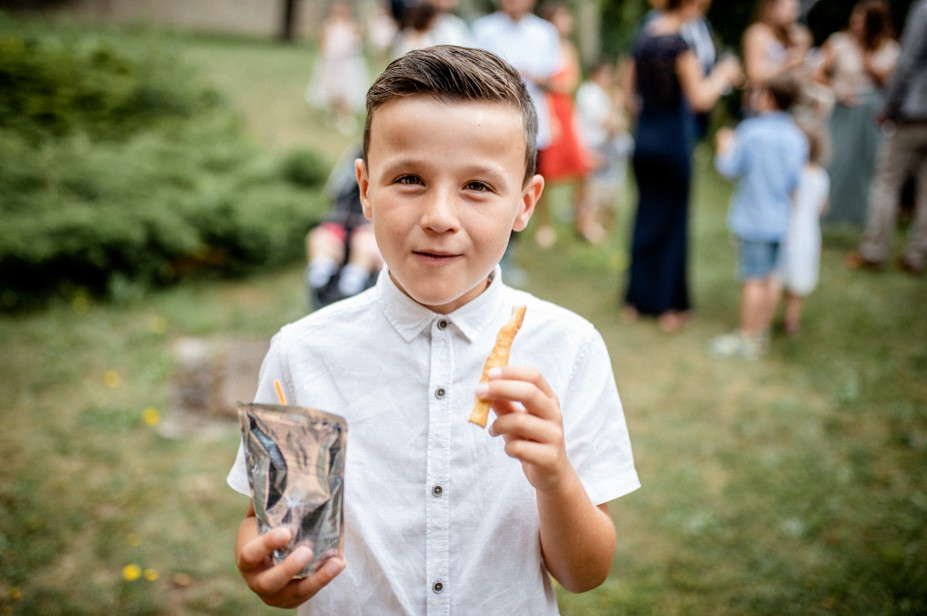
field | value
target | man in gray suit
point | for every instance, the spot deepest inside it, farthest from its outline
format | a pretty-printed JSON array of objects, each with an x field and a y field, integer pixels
[{"x": 904, "y": 151}]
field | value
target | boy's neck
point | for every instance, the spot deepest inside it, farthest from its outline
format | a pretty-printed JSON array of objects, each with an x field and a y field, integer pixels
[
  {"x": 768, "y": 110},
  {"x": 483, "y": 286}
]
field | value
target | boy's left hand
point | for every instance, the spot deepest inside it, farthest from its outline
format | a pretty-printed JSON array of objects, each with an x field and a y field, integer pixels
[{"x": 533, "y": 429}]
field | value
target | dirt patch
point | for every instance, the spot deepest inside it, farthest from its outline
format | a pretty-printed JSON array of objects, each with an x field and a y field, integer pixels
[{"x": 211, "y": 377}]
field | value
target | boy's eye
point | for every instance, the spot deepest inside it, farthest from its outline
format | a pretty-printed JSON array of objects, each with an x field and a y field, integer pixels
[
  {"x": 477, "y": 186},
  {"x": 409, "y": 180}
]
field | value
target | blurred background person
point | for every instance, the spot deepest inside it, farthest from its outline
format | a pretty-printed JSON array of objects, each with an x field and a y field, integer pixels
[
  {"x": 903, "y": 152},
  {"x": 528, "y": 43},
  {"x": 449, "y": 28},
  {"x": 774, "y": 43},
  {"x": 765, "y": 157},
  {"x": 856, "y": 63},
  {"x": 532, "y": 46},
  {"x": 670, "y": 85},
  {"x": 800, "y": 261},
  {"x": 416, "y": 29},
  {"x": 604, "y": 126},
  {"x": 700, "y": 36},
  {"x": 431, "y": 22},
  {"x": 340, "y": 78},
  {"x": 381, "y": 30},
  {"x": 341, "y": 250},
  {"x": 566, "y": 158}
]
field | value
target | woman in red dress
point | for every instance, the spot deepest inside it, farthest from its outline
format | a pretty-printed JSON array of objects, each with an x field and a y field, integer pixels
[{"x": 566, "y": 159}]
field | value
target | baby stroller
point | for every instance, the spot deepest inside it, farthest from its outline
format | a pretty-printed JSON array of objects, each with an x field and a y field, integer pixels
[{"x": 342, "y": 253}]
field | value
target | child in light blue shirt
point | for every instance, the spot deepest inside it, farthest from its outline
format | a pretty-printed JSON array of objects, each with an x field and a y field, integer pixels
[{"x": 765, "y": 156}]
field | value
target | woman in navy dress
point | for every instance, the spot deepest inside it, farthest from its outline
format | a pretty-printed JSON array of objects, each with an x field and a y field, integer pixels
[{"x": 671, "y": 86}]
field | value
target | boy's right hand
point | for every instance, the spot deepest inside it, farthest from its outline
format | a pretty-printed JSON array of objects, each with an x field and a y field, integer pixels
[
  {"x": 723, "y": 139},
  {"x": 276, "y": 584}
]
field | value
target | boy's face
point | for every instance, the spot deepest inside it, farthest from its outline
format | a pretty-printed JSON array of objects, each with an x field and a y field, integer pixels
[{"x": 443, "y": 187}]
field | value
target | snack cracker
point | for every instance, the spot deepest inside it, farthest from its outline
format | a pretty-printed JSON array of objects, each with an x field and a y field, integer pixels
[{"x": 497, "y": 358}]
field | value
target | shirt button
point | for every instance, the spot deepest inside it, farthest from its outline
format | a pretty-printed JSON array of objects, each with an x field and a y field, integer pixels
[
  {"x": 437, "y": 490},
  {"x": 442, "y": 324},
  {"x": 440, "y": 393},
  {"x": 437, "y": 587}
]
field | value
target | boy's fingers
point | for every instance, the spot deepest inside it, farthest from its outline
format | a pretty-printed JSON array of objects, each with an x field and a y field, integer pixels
[
  {"x": 273, "y": 579},
  {"x": 522, "y": 373},
  {"x": 505, "y": 393},
  {"x": 296, "y": 592},
  {"x": 524, "y": 426},
  {"x": 531, "y": 452},
  {"x": 318, "y": 580},
  {"x": 254, "y": 553}
]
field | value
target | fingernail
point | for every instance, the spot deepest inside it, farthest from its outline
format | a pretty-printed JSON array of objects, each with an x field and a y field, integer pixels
[
  {"x": 482, "y": 390},
  {"x": 303, "y": 556},
  {"x": 333, "y": 567},
  {"x": 281, "y": 535},
  {"x": 494, "y": 373}
]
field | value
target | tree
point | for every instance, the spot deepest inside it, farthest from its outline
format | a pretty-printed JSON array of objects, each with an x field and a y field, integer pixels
[{"x": 289, "y": 19}]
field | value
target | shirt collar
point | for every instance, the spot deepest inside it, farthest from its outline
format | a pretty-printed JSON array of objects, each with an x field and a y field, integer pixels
[{"x": 409, "y": 318}]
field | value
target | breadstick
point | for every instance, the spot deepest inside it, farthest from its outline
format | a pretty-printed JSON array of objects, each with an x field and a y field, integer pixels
[{"x": 497, "y": 358}]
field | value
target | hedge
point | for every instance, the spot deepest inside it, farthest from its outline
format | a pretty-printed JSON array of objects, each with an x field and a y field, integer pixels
[{"x": 119, "y": 167}]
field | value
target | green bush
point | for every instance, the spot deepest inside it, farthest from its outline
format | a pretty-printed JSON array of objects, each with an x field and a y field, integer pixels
[
  {"x": 53, "y": 86},
  {"x": 306, "y": 168},
  {"x": 120, "y": 170}
]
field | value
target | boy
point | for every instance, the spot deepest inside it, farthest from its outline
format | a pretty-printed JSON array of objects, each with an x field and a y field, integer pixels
[
  {"x": 766, "y": 156},
  {"x": 439, "y": 516}
]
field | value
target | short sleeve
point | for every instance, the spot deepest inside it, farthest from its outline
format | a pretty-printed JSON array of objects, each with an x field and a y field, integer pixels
[{"x": 596, "y": 433}]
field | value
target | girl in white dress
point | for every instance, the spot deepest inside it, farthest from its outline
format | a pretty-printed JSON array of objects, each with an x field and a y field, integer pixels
[
  {"x": 340, "y": 78},
  {"x": 800, "y": 260}
]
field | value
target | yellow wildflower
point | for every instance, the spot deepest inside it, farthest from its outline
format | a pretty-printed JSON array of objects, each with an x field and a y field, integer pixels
[
  {"x": 80, "y": 305},
  {"x": 130, "y": 573},
  {"x": 151, "y": 416},
  {"x": 111, "y": 378}
]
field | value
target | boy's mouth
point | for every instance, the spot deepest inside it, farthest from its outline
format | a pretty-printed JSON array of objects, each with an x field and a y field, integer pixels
[{"x": 435, "y": 256}]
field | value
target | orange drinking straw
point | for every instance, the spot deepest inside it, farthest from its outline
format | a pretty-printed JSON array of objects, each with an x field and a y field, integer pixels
[{"x": 280, "y": 393}]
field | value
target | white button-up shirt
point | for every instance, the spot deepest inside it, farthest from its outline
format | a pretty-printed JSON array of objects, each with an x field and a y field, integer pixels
[{"x": 438, "y": 519}]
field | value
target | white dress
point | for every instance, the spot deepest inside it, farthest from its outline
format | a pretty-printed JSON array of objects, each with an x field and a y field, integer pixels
[
  {"x": 801, "y": 252},
  {"x": 340, "y": 74}
]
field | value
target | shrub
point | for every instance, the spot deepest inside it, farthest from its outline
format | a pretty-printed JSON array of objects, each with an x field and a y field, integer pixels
[
  {"x": 119, "y": 171},
  {"x": 51, "y": 86},
  {"x": 306, "y": 168}
]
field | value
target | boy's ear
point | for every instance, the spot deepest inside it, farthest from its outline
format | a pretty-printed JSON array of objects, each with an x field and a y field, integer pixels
[
  {"x": 530, "y": 195},
  {"x": 363, "y": 183}
]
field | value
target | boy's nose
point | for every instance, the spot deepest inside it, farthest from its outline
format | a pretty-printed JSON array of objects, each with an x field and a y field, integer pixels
[{"x": 440, "y": 212}]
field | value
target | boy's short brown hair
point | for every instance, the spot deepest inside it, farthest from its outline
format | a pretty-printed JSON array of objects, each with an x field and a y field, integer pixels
[
  {"x": 784, "y": 89},
  {"x": 452, "y": 74}
]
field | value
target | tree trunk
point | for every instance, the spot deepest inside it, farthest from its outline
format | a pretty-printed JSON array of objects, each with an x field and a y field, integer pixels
[{"x": 289, "y": 19}]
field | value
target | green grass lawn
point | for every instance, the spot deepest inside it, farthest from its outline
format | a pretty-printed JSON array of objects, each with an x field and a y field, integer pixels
[{"x": 796, "y": 484}]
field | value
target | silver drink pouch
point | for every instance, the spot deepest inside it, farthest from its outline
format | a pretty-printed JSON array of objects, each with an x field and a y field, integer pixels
[{"x": 295, "y": 459}]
